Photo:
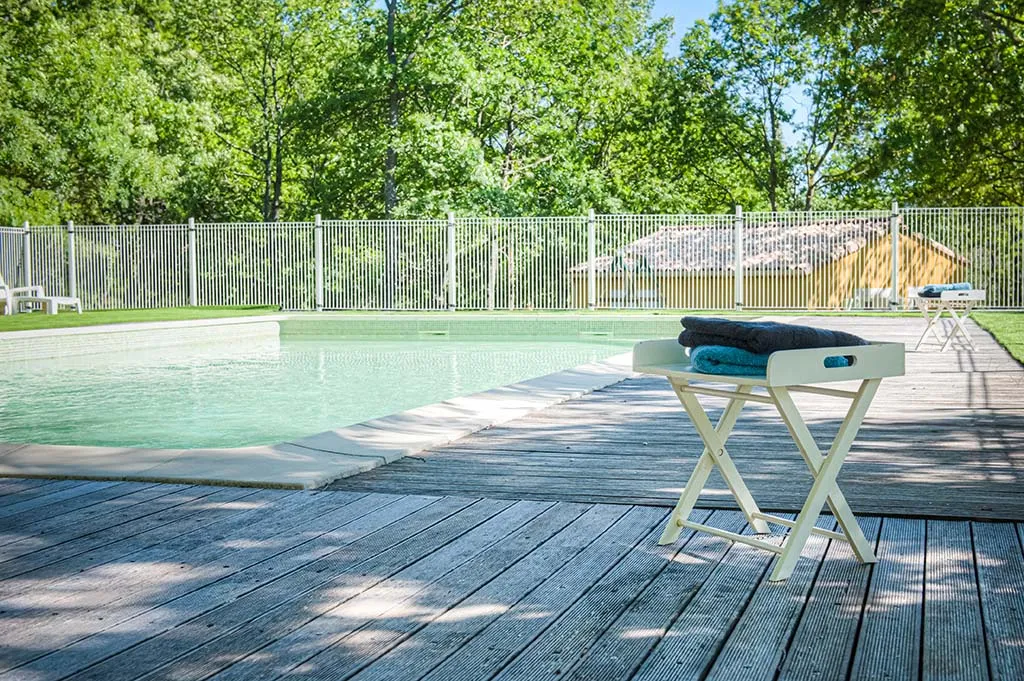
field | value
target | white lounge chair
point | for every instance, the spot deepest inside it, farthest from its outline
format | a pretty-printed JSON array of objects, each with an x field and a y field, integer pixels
[{"x": 12, "y": 298}]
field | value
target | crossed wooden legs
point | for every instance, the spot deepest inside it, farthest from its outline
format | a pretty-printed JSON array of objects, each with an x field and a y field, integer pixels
[
  {"x": 824, "y": 469},
  {"x": 935, "y": 320}
]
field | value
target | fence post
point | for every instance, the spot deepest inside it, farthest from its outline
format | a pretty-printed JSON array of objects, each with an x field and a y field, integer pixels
[
  {"x": 450, "y": 253},
  {"x": 318, "y": 262},
  {"x": 591, "y": 260},
  {"x": 26, "y": 255},
  {"x": 894, "y": 231},
  {"x": 72, "y": 275},
  {"x": 193, "y": 267},
  {"x": 738, "y": 255}
]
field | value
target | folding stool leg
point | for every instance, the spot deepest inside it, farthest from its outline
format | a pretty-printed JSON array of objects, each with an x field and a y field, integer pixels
[
  {"x": 688, "y": 499},
  {"x": 708, "y": 460},
  {"x": 824, "y": 487},
  {"x": 958, "y": 328},
  {"x": 714, "y": 443},
  {"x": 690, "y": 494},
  {"x": 814, "y": 459},
  {"x": 930, "y": 327}
]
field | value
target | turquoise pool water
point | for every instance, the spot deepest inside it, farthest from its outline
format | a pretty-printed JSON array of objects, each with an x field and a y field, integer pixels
[{"x": 259, "y": 391}]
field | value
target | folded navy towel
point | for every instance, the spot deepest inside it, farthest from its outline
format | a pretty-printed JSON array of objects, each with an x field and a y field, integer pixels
[
  {"x": 727, "y": 361},
  {"x": 936, "y": 290},
  {"x": 761, "y": 337}
]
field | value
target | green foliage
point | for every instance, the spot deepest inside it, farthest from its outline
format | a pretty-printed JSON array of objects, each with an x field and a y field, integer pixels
[{"x": 139, "y": 111}]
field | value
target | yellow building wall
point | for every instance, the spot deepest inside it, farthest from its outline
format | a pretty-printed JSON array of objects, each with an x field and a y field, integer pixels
[{"x": 833, "y": 286}]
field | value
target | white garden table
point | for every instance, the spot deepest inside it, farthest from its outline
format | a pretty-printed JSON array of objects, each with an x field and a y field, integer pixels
[
  {"x": 788, "y": 371},
  {"x": 948, "y": 303}
]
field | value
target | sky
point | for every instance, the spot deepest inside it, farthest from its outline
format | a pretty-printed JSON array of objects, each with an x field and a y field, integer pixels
[{"x": 685, "y": 13}]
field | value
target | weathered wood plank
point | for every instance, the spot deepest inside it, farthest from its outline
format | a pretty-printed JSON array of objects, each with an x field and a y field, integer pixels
[
  {"x": 889, "y": 643},
  {"x": 367, "y": 624},
  {"x": 462, "y": 590},
  {"x": 822, "y": 646},
  {"x": 97, "y": 496},
  {"x": 776, "y": 488},
  {"x": 294, "y": 612},
  {"x": 56, "y": 526},
  {"x": 374, "y": 525},
  {"x": 623, "y": 647},
  {"x": 448, "y": 632},
  {"x": 568, "y": 639},
  {"x": 1000, "y": 564},
  {"x": 47, "y": 503},
  {"x": 12, "y": 486},
  {"x": 513, "y": 630},
  {"x": 379, "y": 587},
  {"x": 221, "y": 513},
  {"x": 691, "y": 644},
  {"x": 756, "y": 646},
  {"x": 954, "y": 637},
  {"x": 109, "y": 528},
  {"x": 69, "y": 610}
]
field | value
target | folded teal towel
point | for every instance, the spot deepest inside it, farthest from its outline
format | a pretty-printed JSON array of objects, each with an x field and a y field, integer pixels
[
  {"x": 935, "y": 290},
  {"x": 727, "y": 361}
]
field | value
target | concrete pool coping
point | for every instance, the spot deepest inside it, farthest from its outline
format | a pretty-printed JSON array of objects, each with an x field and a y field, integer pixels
[{"x": 311, "y": 461}]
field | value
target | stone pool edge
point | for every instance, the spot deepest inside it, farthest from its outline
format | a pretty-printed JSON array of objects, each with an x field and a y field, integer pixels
[{"x": 319, "y": 459}]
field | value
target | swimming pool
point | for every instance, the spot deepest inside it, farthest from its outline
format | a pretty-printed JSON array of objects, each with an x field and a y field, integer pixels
[{"x": 233, "y": 393}]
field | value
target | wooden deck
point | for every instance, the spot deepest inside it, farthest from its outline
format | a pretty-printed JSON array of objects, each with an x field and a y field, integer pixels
[
  {"x": 515, "y": 573},
  {"x": 111, "y": 581},
  {"x": 944, "y": 441}
]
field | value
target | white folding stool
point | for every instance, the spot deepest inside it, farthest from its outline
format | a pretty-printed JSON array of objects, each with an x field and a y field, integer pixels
[
  {"x": 788, "y": 371},
  {"x": 948, "y": 302}
]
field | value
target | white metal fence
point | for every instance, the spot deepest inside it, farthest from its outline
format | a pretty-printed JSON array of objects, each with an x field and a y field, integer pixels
[{"x": 796, "y": 260}]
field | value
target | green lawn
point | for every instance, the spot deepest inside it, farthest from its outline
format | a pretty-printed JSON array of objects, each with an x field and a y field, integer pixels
[
  {"x": 38, "y": 320},
  {"x": 1007, "y": 328}
]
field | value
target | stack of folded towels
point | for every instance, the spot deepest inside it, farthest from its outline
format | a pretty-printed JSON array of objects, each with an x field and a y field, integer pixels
[
  {"x": 935, "y": 290},
  {"x": 726, "y": 347}
]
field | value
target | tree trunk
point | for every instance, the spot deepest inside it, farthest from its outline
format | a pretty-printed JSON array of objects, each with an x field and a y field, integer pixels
[
  {"x": 391, "y": 246},
  {"x": 275, "y": 201},
  {"x": 809, "y": 193},
  {"x": 394, "y": 105},
  {"x": 773, "y": 159}
]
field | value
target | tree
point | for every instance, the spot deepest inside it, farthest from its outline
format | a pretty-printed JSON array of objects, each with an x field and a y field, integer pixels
[
  {"x": 944, "y": 81},
  {"x": 754, "y": 57},
  {"x": 265, "y": 60}
]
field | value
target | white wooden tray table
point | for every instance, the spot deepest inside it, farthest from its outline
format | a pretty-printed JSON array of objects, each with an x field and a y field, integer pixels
[
  {"x": 788, "y": 371},
  {"x": 948, "y": 303}
]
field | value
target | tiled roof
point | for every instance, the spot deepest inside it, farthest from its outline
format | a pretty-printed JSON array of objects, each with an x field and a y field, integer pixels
[{"x": 773, "y": 246}]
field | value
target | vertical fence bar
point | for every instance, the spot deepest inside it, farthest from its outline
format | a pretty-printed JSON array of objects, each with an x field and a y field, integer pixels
[
  {"x": 318, "y": 263},
  {"x": 193, "y": 268},
  {"x": 72, "y": 275},
  {"x": 450, "y": 253},
  {"x": 894, "y": 232},
  {"x": 591, "y": 261},
  {"x": 738, "y": 256},
  {"x": 26, "y": 255}
]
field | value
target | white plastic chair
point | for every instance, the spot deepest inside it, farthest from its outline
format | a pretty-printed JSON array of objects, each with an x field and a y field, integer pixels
[{"x": 13, "y": 298}]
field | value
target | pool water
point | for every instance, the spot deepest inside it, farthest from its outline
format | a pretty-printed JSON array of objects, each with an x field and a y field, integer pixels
[{"x": 259, "y": 391}]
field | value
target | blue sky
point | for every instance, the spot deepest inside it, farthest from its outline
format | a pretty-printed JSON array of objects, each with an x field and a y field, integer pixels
[{"x": 685, "y": 12}]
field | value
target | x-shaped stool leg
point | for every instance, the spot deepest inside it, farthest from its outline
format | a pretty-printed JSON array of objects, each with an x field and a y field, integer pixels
[
  {"x": 932, "y": 322},
  {"x": 825, "y": 470},
  {"x": 714, "y": 454},
  {"x": 959, "y": 328}
]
